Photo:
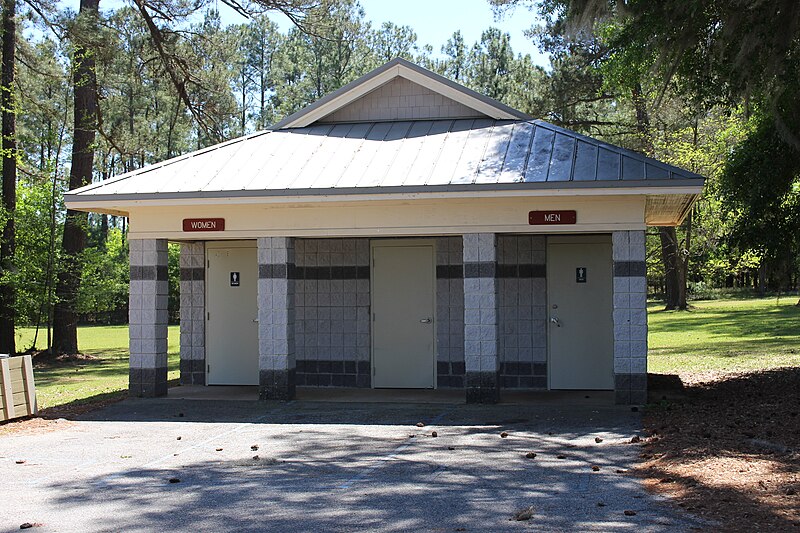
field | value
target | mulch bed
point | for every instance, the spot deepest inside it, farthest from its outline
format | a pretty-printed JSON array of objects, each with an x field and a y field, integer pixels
[
  {"x": 59, "y": 416},
  {"x": 727, "y": 447},
  {"x": 43, "y": 358}
]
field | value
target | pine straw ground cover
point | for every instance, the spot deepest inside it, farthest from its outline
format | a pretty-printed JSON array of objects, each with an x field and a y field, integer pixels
[{"x": 723, "y": 434}]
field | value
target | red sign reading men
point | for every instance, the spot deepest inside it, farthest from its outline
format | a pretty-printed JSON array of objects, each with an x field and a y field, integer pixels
[
  {"x": 544, "y": 218},
  {"x": 203, "y": 224}
]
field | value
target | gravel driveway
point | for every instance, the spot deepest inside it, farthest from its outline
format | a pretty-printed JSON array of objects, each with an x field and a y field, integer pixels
[{"x": 313, "y": 466}]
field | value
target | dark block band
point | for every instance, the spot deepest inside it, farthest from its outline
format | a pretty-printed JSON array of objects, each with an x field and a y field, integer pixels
[
  {"x": 149, "y": 273},
  {"x": 276, "y": 384},
  {"x": 193, "y": 274},
  {"x": 483, "y": 387},
  {"x": 625, "y": 269},
  {"x": 292, "y": 271},
  {"x": 492, "y": 270},
  {"x": 484, "y": 269},
  {"x": 449, "y": 271}
]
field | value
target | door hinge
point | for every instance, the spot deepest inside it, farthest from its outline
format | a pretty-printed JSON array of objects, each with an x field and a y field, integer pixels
[
  {"x": 209, "y": 368},
  {"x": 208, "y": 263},
  {"x": 373, "y": 369},
  {"x": 209, "y": 315},
  {"x": 373, "y": 317}
]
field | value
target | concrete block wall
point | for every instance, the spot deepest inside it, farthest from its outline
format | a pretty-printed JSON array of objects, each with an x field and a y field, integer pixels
[
  {"x": 522, "y": 291},
  {"x": 481, "y": 335},
  {"x": 276, "y": 318},
  {"x": 193, "y": 313},
  {"x": 148, "y": 315},
  {"x": 449, "y": 312},
  {"x": 332, "y": 329},
  {"x": 630, "y": 317},
  {"x": 401, "y": 99}
]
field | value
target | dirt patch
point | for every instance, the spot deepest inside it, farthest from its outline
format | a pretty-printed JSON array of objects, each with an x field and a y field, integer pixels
[
  {"x": 727, "y": 447},
  {"x": 41, "y": 358},
  {"x": 60, "y": 416},
  {"x": 33, "y": 424}
]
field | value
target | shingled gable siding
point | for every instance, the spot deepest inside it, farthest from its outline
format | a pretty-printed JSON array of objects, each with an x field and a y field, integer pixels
[
  {"x": 193, "y": 313},
  {"x": 401, "y": 99}
]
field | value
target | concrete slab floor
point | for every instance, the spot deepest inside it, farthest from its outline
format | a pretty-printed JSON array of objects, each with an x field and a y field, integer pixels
[
  {"x": 320, "y": 466},
  {"x": 409, "y": 396}
]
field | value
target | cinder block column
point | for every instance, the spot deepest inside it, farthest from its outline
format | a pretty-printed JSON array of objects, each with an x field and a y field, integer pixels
[
  {"x": 193, "y": 310},
  {"x": 481, "y": 353},
  {"x": 630, "y": 317},
  {"x": 148, "y": 317},
  {"x": 276, "y": 316}
]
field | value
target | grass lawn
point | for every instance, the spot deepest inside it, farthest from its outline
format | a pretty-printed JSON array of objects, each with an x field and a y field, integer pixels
[
  {"x": 725, "y": 336},
  {"x": 104, "y": 374}
]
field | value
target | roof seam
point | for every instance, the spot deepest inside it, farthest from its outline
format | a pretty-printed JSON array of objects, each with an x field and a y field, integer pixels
[{"x": 550, "y": 160}]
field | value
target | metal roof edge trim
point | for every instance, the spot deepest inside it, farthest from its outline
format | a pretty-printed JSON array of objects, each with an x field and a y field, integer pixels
[{"x": 687, "y": 186}]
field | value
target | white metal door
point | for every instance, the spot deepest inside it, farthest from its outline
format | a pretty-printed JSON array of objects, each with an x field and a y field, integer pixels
[
  {"x": 403, "y": 302},
  {"x": 579, "y": 293},
  {"x": 232, "y": 306}
]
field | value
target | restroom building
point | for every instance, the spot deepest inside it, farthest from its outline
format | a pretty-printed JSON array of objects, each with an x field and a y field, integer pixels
[{"x": 401, "y": 232}]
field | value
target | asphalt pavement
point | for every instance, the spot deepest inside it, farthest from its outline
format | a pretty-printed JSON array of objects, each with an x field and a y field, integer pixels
[{"x": 204, "y": 465}]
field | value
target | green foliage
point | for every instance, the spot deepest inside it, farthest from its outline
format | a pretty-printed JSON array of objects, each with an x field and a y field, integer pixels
[
  {"x": 35, "y": 269},
  {"x": 455, "y": 66},
  {"x": 761, "y": 183},
  {"x": 174, "y": 275},
  {"x": 105, "y": 278}
]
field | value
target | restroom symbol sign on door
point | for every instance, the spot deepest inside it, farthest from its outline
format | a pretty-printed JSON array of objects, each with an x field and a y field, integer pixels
[
  {"x": 235, "y": 278},
  {"x": 580, "y": 275}
]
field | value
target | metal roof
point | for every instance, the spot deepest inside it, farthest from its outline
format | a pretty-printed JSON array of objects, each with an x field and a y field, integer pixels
[{"x": 464, "y": 154}]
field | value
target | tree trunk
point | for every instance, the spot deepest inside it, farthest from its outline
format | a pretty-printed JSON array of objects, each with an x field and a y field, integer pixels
[
  {"x": 8, "y": 243},
  {"x": 675, "y": 283},
  {"x": 684, "y": 262},
  {"x": 762, "y": 278},
  {"x": 65, "y": 317}
]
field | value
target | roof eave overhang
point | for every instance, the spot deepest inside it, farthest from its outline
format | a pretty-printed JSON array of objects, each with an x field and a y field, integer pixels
[{"x": 121, "y": 204}]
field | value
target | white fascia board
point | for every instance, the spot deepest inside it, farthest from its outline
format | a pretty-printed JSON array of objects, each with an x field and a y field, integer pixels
[{"x": 86, "y": 203}]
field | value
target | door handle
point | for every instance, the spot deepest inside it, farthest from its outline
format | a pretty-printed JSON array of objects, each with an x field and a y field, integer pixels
[
  {"x": 425, "y": 321},
  {"x": 554, "y": 320},
  {"x": 255, "y": 320}
]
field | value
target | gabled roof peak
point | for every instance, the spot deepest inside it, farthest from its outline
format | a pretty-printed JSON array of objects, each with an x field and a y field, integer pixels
[{"x": 400, "y": 68}]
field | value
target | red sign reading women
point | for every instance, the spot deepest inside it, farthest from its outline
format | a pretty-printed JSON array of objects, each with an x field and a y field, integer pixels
[{"x": 203, "y": 224}]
